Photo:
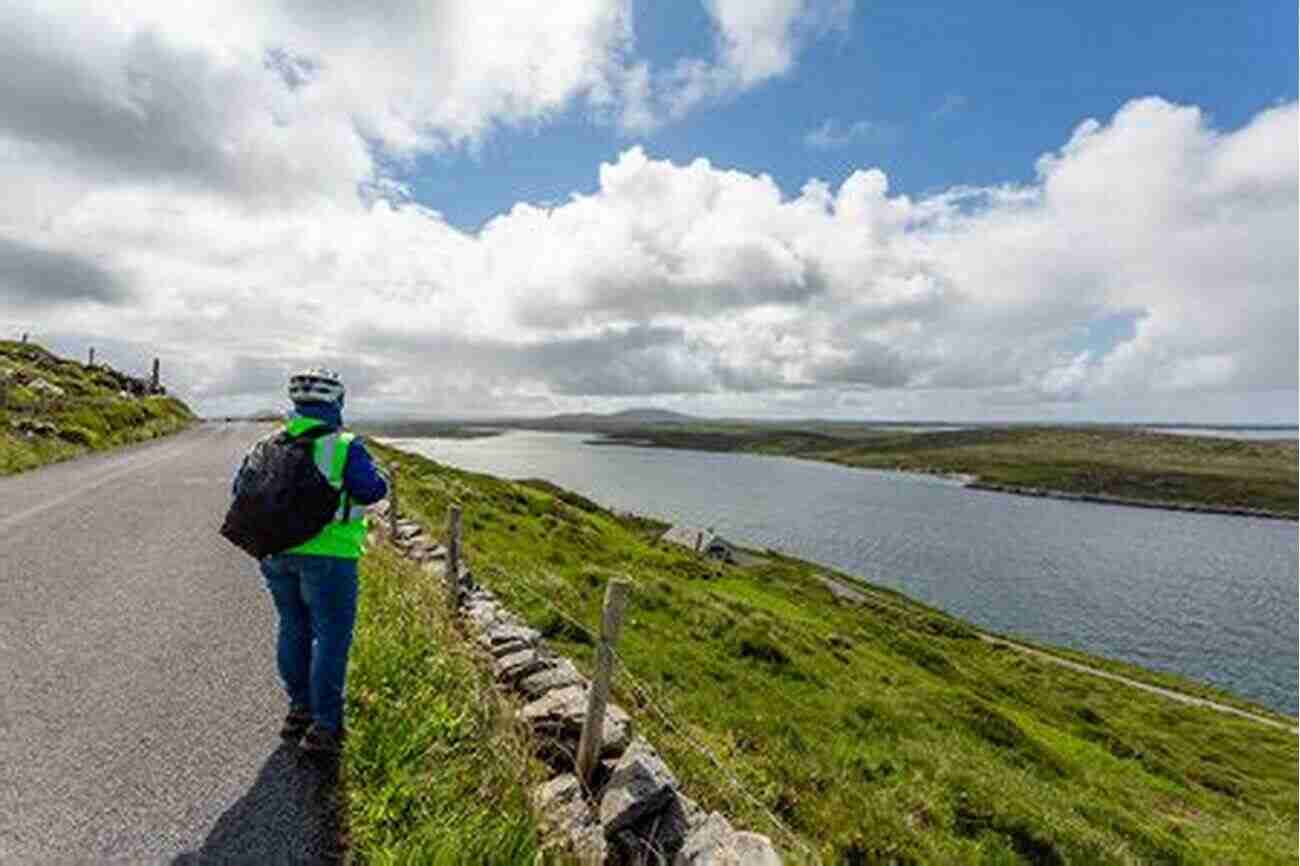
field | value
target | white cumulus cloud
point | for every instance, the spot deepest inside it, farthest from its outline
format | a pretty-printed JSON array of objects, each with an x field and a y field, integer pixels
[
  {"x": 214, "y": 194},
  {"x": 754, "y": 41}
]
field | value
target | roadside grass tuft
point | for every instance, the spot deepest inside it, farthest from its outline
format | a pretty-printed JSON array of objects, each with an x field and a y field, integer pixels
[
  {"x": 879, "y": 733},
  {"x": 435, "y": 772}
]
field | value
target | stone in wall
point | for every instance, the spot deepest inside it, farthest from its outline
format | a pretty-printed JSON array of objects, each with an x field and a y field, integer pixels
[
  {"x": 559, "y": 675},
  {"x": 558, "y": 715},
  {"x": 562, "y": 809},
  {"x": 714, "y": 843},
  {"x": 641, "y": 784}
]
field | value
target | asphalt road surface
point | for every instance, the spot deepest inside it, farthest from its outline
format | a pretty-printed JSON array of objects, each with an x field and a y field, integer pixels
[{"x": 139, "y": 704}]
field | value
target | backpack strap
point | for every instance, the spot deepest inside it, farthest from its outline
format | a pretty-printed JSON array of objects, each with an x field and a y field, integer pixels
[{"x": 341, "y": 448}]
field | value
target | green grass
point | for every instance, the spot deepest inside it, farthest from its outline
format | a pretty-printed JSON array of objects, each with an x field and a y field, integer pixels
[
  {"x": 1158, "y": 678},
  {"x": 434, "y": 771},
  {"x": 1148, "y": 676},
  {"x": 91, "y": 415},
  {"x": 1108, "y": 461},
  {"x": 886, "y": 733}
]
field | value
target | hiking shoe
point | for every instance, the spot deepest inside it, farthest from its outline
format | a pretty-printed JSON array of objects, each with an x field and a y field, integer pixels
[
  {"x": 322, "y": 741},
  {"x": 296, "y": 723}
]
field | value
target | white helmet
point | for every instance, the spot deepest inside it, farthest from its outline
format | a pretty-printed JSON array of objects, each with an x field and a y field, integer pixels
[{"x": 316, "y": 385}]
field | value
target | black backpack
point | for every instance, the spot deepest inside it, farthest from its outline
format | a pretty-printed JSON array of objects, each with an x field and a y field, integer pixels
[{"x": 281, "y": 499}]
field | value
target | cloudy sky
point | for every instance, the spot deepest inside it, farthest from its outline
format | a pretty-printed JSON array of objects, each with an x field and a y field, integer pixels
[{"x": 741, "y": 207}]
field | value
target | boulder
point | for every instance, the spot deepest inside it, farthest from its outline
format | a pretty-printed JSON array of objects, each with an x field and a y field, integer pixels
[
  {"x": 487, "y": 616},
  {"x": 640, "y": 785},
  {"x": 752, "y": 849},
  {"x": 714, "y": 843},
  {"x": 502, "y": 650},
  {"x": 561, "y": 674},
  {"x": 667, "y": 834},
  {"x": 512, "y": 667},
  {"x": 588, "y": 844},
  {"x": 480, "y": 594},
  {"x": 45, "y": 388},
  {"x": 704, "y": 840},
  {"x": 505, "y": 633},
  {"x": 560, "y": 804},
  {"x": 426, "y": 551},
  {"x": 559, "y": 715},
  {"x": 552, "y": 712},
  {"x": 562, "y": 810},
  {"x": 476, "y": 604}
]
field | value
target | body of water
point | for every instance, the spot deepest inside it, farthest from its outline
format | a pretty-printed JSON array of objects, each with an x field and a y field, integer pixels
[{"x": 1208, "y": 596}]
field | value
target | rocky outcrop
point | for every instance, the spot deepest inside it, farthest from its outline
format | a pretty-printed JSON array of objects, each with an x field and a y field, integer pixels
[{"x": 634, "y": 813}]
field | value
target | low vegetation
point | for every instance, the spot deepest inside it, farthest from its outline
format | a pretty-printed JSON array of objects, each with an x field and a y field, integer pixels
[
  {"x": 1121, "y": 462},
  {"x": 52, "y": 408},
  {"x": 884, "y": 732},
  {"x": 433, "y": 772}
]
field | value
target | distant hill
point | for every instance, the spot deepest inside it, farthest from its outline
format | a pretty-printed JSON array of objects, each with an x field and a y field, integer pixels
[
  {"x": 593, "y": 421},
  {"x": 653, "y": 416},
  {"x": 52, "y": 408}
]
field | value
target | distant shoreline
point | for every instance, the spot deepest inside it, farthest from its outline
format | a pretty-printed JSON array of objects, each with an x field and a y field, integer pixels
[
  {"x": 1103, "y": 499},
  {"x": 1132, "y": 465},
  {"x": 972, "y": 482}
]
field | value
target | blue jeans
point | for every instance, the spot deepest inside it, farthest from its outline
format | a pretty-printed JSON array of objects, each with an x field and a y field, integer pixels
[{"x": 316, "y": 598}]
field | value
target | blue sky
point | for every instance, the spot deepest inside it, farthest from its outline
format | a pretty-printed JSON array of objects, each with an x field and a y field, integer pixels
[
  {"x": 954, "y": 93},
  {"x": 776, "y": 208}
]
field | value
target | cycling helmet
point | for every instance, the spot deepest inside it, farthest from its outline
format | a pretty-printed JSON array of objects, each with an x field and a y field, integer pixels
[{"x": 316, "y": 385}]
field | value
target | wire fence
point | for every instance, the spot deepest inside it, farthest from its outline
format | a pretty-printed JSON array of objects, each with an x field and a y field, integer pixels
[
  {"x": 659, "y": 704},
  {"x": 661, "y": 707}
]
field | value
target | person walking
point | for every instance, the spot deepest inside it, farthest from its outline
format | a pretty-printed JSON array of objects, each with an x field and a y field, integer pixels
[{"x": 314, "y": 584}]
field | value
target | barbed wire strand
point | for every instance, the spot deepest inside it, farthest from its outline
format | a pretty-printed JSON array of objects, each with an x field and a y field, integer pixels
[{"x": 646, "y": 693}]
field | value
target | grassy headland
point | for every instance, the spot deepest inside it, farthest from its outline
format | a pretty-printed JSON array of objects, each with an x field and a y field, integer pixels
[
  {"x": 52, "y": 408},
  {"x": 884, "y": 732},
  {"x": 1116, "y": 462}
]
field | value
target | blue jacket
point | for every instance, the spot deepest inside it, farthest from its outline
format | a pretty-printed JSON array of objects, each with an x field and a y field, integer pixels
[{"x": 361, "y": 479}]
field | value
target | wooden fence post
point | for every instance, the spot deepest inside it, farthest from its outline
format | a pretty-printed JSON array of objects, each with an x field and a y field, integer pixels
[
  {"x": 593, "y": 724},
  {"x": 452, "y": 573}
]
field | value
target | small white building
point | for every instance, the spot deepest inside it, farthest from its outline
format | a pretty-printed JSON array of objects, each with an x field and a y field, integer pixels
[{"x": 703, "y": 541}]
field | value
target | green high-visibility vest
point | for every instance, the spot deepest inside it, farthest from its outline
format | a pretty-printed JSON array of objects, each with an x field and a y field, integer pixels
[{"x": 345, "y": 535}]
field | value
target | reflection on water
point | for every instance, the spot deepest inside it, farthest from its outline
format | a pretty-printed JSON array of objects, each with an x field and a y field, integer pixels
[{"x": 1208, "y": 596}]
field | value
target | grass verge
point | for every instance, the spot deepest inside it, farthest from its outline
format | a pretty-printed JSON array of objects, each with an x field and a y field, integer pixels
[
  {"x": 434, "y": 772},
  {"x": 885, "y": 733}
]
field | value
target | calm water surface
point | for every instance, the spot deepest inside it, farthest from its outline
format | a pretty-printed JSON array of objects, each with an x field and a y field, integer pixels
[{"x": 1208, "y": 596}]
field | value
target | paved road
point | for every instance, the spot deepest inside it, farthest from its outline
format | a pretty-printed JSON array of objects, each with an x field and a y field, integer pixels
[{"x": 139, "y": 705}]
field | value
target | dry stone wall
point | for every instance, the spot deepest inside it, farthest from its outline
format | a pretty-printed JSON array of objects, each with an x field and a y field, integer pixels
[{"x": 634, "y": 812}]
